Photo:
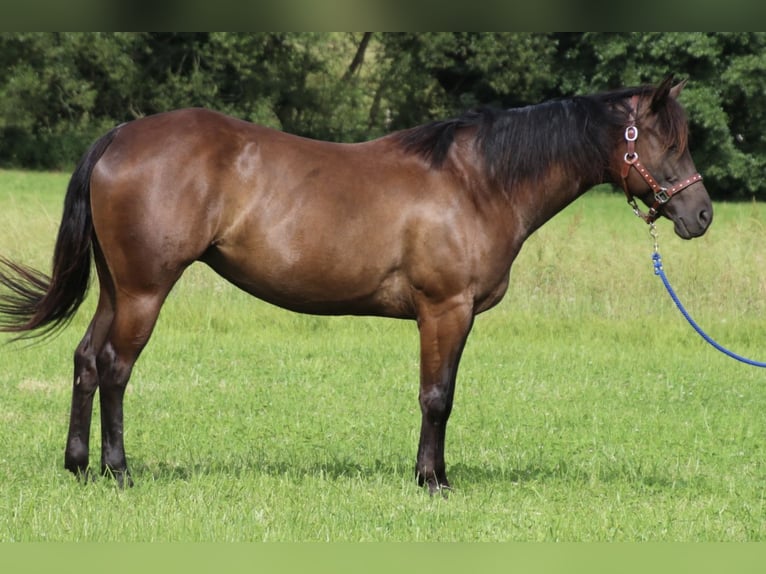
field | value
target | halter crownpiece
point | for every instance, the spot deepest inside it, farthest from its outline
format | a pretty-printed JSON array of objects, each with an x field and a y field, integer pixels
[{"x": 661, "y": 194}]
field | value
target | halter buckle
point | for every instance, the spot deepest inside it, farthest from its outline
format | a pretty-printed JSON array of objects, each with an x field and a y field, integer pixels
[
  {"x": 631, "y": 133},
  {"x": 662, "y": 196}
]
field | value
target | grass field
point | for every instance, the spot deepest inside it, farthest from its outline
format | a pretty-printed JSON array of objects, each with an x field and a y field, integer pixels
[{"x": 586, "y": 408}]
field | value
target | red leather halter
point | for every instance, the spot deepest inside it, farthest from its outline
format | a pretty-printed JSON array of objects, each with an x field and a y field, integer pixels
[{"x": 661, "y": 194}]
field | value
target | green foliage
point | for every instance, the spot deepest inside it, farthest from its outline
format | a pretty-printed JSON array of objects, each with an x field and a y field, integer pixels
[
  {"x": 432, "y": 75},
  {"x": 59, "y": 91}
]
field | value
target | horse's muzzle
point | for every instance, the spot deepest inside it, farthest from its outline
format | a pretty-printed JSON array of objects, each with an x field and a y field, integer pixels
[{"x": 693, "y": 223}]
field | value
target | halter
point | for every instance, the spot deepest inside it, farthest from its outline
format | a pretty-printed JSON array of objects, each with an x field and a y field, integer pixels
[{"x": 661, "y": 194}]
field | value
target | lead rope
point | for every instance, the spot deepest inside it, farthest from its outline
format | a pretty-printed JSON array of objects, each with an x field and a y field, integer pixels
[{"x": 659, "y": 271}]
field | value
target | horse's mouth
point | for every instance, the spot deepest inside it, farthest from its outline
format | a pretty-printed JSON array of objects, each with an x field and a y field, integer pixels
[{"x": 685, "y": 232}]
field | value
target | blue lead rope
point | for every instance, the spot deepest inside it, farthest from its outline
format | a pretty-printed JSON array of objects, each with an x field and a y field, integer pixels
[{"x": 661, "y": 273}]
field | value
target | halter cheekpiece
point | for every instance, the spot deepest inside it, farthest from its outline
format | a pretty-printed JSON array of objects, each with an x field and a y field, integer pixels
[{"x": 661, "y": 194}]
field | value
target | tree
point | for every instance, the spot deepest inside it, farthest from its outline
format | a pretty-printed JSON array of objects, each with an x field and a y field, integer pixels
[
  {"x": 59, "y": 91},
  {"x": 46, "y": 102},
  {"x": 433, "y": 75}
]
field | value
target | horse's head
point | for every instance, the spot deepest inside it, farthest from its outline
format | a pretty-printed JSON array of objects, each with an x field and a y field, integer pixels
[{"x": 657, "y": 167}]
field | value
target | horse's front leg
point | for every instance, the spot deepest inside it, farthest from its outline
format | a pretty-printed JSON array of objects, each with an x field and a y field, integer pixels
[{"x": 444, "y": 329}]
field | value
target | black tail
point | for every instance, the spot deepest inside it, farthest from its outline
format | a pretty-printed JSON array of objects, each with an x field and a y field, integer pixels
[{"x": 32, "y": 303}]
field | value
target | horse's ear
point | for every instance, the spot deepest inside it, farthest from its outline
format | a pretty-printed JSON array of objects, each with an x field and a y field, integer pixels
[
  {"x": 661, "y": 93},
  {"x": 675, "y": 91}
]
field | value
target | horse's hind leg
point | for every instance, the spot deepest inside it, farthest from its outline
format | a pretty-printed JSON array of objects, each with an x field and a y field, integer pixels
[
  {"x": 103, "y": 360},
  {"x": 86, "y": 377},
  {"x": 86, "y": 382},
  {"x": 134, "y": 320}
]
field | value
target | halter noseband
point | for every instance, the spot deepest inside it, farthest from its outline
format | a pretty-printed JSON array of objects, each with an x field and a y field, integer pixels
[{"x": 661, "y": 194}]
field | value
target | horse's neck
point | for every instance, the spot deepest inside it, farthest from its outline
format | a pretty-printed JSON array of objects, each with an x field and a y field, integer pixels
[
  {"x": 535, "y": 203},
  {"x": 565, "y": 171}
]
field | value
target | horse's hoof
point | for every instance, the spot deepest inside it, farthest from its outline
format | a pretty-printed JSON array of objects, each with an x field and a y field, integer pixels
[
  {"x": 439, "y": 488},
  {"x": 121, "y": 477},
  {"x": 434, "y": 484},
  {"x": 83, "y": 475}
]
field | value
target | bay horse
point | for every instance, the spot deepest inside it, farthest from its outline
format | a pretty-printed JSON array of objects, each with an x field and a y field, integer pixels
[{"x": 420, "y": 224}]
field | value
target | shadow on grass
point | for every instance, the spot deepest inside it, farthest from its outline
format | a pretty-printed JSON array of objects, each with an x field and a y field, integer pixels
[
  {"x": 649, "y": 478},
  {"x": 330, "y": 470},
  {"x": 391, "y": 471}
]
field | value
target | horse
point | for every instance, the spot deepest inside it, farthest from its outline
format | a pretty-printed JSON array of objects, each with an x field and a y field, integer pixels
[{"x": 420, "y": 224}]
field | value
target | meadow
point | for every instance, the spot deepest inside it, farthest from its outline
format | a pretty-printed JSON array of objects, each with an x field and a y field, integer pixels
[{"x": 586, "y": 407}]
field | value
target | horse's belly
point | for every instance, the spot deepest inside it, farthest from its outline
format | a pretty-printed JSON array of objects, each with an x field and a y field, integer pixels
[{"x": 320, "y": 284}]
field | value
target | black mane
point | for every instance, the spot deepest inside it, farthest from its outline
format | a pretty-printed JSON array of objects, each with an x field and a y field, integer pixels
[{"x": 522, "y": 143}]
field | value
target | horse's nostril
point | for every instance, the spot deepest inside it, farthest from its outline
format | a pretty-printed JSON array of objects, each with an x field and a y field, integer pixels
[{"x": 704, "y": 217}]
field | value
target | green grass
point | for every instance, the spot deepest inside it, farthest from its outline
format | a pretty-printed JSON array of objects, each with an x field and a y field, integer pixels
[{"x": 586, "y": 408}]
